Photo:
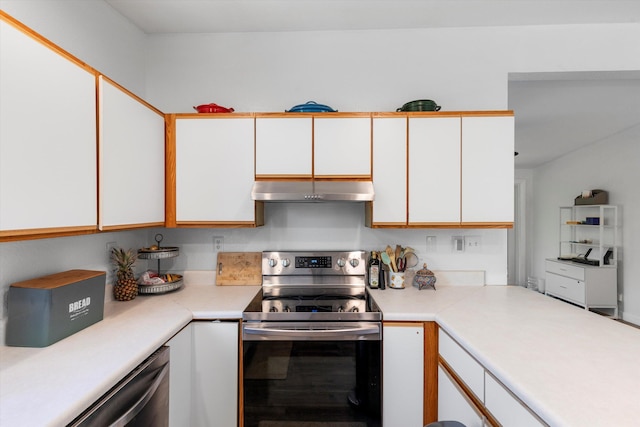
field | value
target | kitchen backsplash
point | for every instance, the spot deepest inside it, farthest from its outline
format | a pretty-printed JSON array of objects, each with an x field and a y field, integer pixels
[{"x": 289, "y": 226}]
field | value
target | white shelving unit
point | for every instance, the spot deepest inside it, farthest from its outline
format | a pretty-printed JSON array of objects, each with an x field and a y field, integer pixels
[
  {"x": 577, "y": 237},
  {"x": 593, "y": 230}
]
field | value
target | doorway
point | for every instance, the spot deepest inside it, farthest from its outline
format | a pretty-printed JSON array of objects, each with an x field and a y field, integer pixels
[{"x": 516, "y": 238}]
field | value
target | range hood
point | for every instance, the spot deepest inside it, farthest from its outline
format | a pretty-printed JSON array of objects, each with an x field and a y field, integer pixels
[{"x": 312, "y": 191}]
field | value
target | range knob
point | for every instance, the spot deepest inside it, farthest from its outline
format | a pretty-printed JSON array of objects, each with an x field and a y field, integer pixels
[
  {"x": 341, "y": 262},
  {"x": 286, "y": 309},
  {"x": 273, "y": 309},
  {"x": 273, "y": 262},
  {"x": 286, "y": 262},
  {"x": 354, "y": 262},
  {"x": 340, "y": 309},
  {"x": 354, "y": 309}
]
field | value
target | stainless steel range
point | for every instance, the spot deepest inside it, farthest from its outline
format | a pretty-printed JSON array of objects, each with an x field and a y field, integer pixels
[
  {"x": 314, "y": 286},
  {"x": 312, "y": 341}
]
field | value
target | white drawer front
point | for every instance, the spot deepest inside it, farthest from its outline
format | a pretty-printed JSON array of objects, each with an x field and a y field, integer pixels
[
  {"x": 506, "y": 408},
  {"x": 565, "y": 287},
  {"x": 573, "y": 271},
  {"x": 467, "y": 368}
]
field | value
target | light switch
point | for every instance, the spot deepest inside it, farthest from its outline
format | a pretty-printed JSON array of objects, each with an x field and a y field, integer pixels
[{"x": 458, "y": 243}]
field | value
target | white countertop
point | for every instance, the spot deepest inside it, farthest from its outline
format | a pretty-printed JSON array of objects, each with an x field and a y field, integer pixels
[{"x": 571, "y": 366}]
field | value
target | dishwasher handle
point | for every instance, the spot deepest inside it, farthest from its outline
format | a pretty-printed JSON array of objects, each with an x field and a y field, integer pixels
[{"x": 141, "y": 403}]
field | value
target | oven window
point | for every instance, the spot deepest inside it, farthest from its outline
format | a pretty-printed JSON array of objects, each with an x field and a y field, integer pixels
[{"x": 321, "y": 383}]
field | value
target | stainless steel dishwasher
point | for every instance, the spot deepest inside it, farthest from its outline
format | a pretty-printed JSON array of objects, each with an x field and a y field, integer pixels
[{"x": 140, "y": 399}]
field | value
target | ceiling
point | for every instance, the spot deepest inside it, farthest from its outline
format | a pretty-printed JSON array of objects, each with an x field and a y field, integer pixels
[{"x": 556, "y": 113}]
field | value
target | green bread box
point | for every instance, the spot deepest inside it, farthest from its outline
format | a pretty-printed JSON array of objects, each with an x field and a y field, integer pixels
[{"x": 49, "y": 308}]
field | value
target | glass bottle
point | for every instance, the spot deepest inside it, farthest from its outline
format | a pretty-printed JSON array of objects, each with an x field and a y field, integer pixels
[{"x": 374, "y": 270}]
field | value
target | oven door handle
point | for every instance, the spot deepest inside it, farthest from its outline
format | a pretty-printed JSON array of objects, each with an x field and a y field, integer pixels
[{"x": 313, "y": 332}]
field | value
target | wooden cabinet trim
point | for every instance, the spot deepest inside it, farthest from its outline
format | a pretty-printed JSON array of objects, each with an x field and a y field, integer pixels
[
  {"x": 46, "y": 233},
  {"x": 430, "y": 407},
  {"x": 468, "y": 393},
  {"x": 131, "y": 94},
  {"x": 170, "y": 171}
]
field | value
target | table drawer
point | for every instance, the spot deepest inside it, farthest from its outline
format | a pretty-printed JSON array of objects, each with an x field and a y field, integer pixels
[
  {"x": 563, "y": 269},
  {"x": 565, "y": 287}
]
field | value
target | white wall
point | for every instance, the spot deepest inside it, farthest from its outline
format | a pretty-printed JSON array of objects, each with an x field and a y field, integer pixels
[
  {"x": 90, "y": 30},
  {"x": 328, "y": 226},
  {"x": 460, "y": 68},
  {"x": 612, "y": 165}
]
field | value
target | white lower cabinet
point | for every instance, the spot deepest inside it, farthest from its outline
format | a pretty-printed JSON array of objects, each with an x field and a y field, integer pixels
[
  {"x": 507, "y": 410},
  {"x": 402, "y": 374},
  {"x": 204, "y": 375},
  {"x": 454, "y": 404},
  {"x": 180, "y": 350},
  {"x": 482, "y": 400},
  {"x": 466, "y": 367},
  {"x": 215, "y": 374}
]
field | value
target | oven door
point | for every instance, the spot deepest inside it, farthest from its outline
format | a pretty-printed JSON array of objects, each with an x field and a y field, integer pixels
[{"x": 319, "y": 373}]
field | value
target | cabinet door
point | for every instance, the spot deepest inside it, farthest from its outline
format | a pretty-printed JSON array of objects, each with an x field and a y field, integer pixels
[
  {"x": 390, "y": 171},
  {"x": 342, "y": 147},
  {"x": 215, "y": 374},
  {"x": 434, "y": 170},
  {"x": 506, "y": 408},
  {"x": 466, "y": 367},
  {"x": 487, "y": 170},
  {"x": 48, "y": 172},
  {"x": 214, "y": 170},
  {"x": 403, "y": 374},
  {"x": 454, "y": 404},
  {"x": 180, "y": 348},
  {"x": 283, "y": 147},
  {"x": 131, "y": 160}
]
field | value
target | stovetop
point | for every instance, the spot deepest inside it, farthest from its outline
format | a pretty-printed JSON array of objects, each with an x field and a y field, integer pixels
[
  {"x": 266, "y": 309},
  {"x": 313, "y": 285}
]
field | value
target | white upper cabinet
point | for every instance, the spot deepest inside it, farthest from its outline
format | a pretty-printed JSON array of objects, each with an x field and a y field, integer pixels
[
  {"x": 48, "y": 172},
  {"x": 487, "y": 169},
  {"x": 283, "y": 147},
  {"x": 131, "y": 160},
  {"x": 389, "y": 171},
  {"x": 214, "y": 170},
  {"x": 434, "y": 170},
  {"x": 342, "y": 147}
]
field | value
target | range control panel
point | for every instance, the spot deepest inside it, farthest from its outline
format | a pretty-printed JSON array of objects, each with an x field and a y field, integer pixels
[
  {"x": 313, "y": 262},
  {"x": 340, "y": 263}
]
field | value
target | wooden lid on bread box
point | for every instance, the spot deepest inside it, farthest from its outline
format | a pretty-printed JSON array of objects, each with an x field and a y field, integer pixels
[{"x": 49, "y": 308}]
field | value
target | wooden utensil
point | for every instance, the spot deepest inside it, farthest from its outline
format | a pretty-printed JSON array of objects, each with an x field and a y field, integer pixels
[{"x": 392, "y": 259}]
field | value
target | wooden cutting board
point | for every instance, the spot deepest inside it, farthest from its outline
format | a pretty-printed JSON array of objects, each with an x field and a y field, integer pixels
[{"x": 239, "y": 268}]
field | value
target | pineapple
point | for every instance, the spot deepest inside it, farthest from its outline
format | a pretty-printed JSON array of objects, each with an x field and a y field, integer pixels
[{"x": 126, "y": 286}]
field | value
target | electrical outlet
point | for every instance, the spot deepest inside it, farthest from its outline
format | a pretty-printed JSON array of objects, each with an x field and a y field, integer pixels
[
  {"x": 110, "y": 246},
  {"x": 218, "y": 243},
  {"x": 432, "y": 244},
  {"x": 110, "y": 272}
]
